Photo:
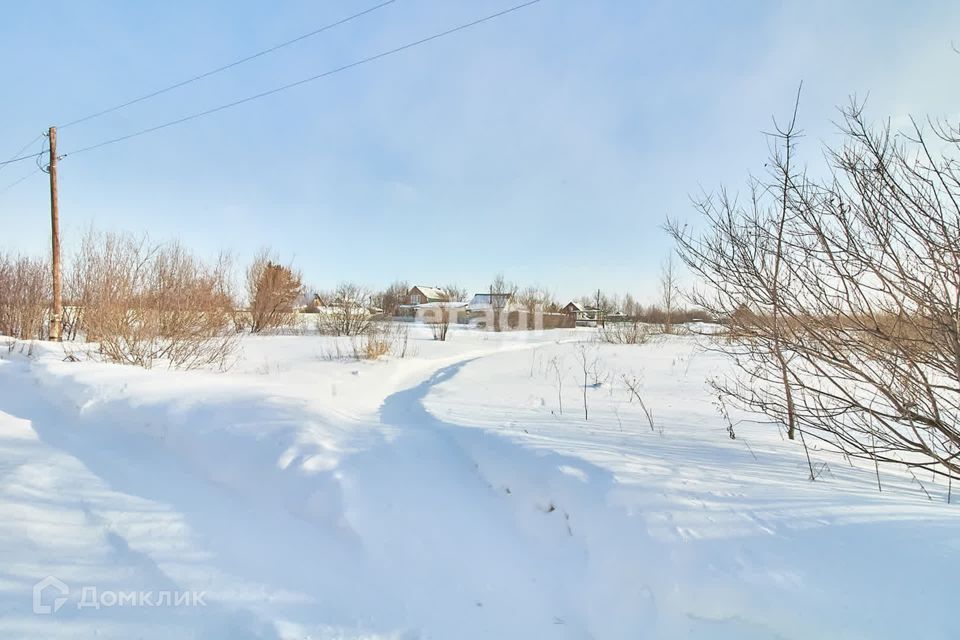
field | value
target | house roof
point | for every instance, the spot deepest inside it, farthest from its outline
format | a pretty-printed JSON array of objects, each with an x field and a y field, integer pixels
[
  {"x": 485, "y": 298},
  {"x": 432, "y": 293},
  {"x": 575, "y": 305},
  {"x": 439, "y": 305}
]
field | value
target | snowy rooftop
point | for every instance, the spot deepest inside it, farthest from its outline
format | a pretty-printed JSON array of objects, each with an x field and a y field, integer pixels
[{"x": 432, "y": 293}]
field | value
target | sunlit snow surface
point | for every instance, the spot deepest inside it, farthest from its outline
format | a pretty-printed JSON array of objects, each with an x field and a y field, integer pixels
[{"x": 445, "y": 495}]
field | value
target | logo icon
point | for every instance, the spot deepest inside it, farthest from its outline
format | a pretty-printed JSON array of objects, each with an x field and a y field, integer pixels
[{"x": 49, "y": 583}]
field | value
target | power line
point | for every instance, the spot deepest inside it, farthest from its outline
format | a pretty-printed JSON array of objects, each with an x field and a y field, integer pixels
[
  {"x": 19, "y": 180},
  {"x": 43, "y": 150},
  {"x": 21, "y": 159},
  {"x": 325, "y": 74},
  {"x": 207, "y": 74},
  {"x": 15, "y": 158},
  {"x": 39, "y": 168},
  {"x": 18, "y": 158}
]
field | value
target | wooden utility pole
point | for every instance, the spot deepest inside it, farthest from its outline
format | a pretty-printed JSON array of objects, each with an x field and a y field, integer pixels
[{"x": 56, "y": 322}]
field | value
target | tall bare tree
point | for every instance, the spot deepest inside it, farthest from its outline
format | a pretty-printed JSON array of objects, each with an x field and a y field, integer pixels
[
  {"x": 455, "y": 293},
  {"x": 501, "y": 293},
  {"x": 273, "y": 290},
  {"x": 532, "y": 301},
  {"x": 389, "y": 299},
  {"x": 669, "y": 291}
]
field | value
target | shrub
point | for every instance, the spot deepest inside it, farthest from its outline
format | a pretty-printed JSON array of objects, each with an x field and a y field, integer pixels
[
  {"x": 273, "y": 290},
  {"x": 25, "y": 293},
  {"x": 145, "y": 302},
  {"x": 347, "y": 312},
  {"x": 625, "y": 332},
  {"x": 381, "y": 339}
]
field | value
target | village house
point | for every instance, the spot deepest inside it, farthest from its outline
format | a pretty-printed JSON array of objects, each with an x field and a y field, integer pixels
[
  {"x": 483, "y": 302},
  {"x": 420, "y": 294},
  {"x": 615, "y": 316},
  {"x": 582, "y": 316},
  {"x": 418, "y": 298},
  {"x": 486, "y": 308}
]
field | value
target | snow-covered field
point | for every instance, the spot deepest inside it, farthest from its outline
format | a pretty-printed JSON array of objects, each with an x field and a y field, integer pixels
[{"x": 444, "y": 495}]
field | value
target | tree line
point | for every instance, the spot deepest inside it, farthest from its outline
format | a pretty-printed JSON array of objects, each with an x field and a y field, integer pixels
[{"x": 143, "y": 301}]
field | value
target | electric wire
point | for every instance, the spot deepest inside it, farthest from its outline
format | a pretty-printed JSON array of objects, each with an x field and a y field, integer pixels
[
  {"x": 15, "y": 158},
  {"x": 225, "y": 67},
  {"x": 298, "y": 83},
  {"x": 39, "y": 168},
  {"x": 19, "y": 180}
]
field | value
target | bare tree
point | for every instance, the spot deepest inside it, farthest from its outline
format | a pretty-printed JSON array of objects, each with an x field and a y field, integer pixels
[
  {"x": 273, "y": 290},
  {"x": 556, "y": 363},
  {"x": 588, "y": 364},
  {"x": 389, "y": 299},
  {"x": 745, "y": 255},
  {"x": 598, "y": 302},
  {"x": 784, "y": 179},
  {"x": 439, "y": 315},
  {"x": 439, "y": 320},
  {"x": 669, "y": 291},
  {"x": 347, "y": 312},
  {"x": 633, "y": 385},
  {"x": 455, "y": 293},
  {"x": 532, "y": 301},
  {"x": 630, "y": 306},
  {"x": 501, "y": 294},
  {"x": 851, "y": 287}
]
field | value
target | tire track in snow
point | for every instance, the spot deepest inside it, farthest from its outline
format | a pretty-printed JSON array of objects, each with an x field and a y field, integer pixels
[{"x": 510, "y": 534}]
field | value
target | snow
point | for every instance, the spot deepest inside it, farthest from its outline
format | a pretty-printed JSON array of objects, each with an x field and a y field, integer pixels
[{"x": 444, "y": 495}]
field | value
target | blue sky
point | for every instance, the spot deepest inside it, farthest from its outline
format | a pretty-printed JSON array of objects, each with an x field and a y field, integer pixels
[{"x": 550, "y": 144}]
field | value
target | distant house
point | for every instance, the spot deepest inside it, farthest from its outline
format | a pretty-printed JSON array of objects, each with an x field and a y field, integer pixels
[
  {"x": 422, "y": 295},
  {"x": 573, "y": 308},
  {"x": 418, "y": 296},
  {"x": 312, "y": 304},
  {"x": 582, "y": 316},
  {"x": 487, "y": 309},
  {"x": 483, "y": 302}
]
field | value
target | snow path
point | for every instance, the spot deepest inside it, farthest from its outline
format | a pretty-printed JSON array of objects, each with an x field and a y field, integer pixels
[
  {"x": 435, "y": 532},
  {"x": 494, "y": 517}
]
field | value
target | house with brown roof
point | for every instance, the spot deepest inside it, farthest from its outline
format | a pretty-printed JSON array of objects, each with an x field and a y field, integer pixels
[
  {"x": 420, "y": 294},
  {"x": 582, "y": 316},
  {"x": 418, "y": 297}
]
